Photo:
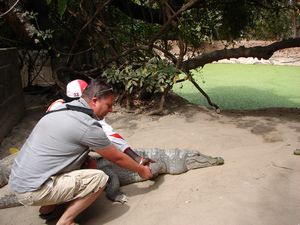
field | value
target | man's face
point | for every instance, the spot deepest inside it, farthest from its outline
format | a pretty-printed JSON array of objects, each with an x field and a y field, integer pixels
[{"x": 102, "y": 106}]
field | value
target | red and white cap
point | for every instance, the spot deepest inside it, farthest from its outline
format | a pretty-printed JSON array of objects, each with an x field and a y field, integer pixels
[{"x": 75, "y": 88}]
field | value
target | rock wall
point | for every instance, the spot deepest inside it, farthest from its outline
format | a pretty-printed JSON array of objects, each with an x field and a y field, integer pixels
[{"x": 12, "y": 106}]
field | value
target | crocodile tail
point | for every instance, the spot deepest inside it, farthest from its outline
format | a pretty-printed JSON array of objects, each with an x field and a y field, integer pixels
[{"x": 9, "y": 201}]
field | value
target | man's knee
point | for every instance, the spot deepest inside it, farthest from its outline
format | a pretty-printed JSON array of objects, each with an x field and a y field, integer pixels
[
  {"x": 101, "y": 178},
  {"x": 90, "y": 181},
  {"x": 68, "y": 187}
]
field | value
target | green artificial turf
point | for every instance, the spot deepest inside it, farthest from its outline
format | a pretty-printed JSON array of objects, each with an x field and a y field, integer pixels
[{"x": 240, "y": 86}]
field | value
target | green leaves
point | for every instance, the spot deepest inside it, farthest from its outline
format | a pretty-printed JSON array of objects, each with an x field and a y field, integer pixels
[
  {"x": 197, "y": 28},
  {"x": 152, "y": 77},
  {"x": 62, "y": 6}
]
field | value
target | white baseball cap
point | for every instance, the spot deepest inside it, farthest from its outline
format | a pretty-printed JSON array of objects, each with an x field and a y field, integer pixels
[{"x": 75, "y": 88}]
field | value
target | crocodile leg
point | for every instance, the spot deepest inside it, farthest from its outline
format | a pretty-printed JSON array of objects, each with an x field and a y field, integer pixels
[{"x": 113, "y": 186}]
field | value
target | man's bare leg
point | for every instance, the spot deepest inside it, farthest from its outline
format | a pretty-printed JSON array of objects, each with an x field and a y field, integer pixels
[{"x": 76, "y": 207}]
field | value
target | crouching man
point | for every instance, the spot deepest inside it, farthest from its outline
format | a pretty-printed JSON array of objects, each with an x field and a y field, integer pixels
[{"x": 47, "y": 171}]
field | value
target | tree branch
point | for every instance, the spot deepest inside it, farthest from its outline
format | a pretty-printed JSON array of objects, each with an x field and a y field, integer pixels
[
  {"x": 260, "y": 52},
  {"x": 202, "y": 92},
  {"x": 11, "y": 8},
  {"x": 98, "y": 10},
  {"x": 167, "y": 54},
  {"x": 139, "y": 12},
  {"x": 168, "y": 23}
]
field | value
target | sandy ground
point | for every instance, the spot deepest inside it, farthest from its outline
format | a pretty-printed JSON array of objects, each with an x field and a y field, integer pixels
[{"x": 258, "y": 184}]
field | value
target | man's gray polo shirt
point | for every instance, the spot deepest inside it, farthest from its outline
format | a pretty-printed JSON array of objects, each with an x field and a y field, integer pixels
[{"x": 59, "y": 143}]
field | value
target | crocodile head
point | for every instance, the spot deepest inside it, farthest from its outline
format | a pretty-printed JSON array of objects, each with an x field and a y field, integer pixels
[{"x": 196, "y": 160}]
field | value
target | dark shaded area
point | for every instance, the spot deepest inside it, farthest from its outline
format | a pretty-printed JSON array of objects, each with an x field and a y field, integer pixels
[{"x": 12, "y": 106}]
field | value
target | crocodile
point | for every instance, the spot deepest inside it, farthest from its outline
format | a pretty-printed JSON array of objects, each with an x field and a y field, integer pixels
[{"x": 170, "y": 161}]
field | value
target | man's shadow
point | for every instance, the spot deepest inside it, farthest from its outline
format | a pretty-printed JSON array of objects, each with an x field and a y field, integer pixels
[{"x": 104, "y": 210}]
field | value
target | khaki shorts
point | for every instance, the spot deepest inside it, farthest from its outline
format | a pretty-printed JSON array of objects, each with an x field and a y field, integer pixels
[{"x": 65, "y": 187}]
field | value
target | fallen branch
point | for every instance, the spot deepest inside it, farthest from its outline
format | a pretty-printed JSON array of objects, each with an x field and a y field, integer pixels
[{"x": 260, "y": 52}]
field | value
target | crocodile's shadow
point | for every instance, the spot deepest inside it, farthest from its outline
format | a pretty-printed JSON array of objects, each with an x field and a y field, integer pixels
[{"x": 140, "y": 189}]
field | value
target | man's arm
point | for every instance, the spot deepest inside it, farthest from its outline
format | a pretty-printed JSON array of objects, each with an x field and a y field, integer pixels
[
  {"x": 139, "y": 159},
  {"x": 122, "y": 144},
  {"x": 112, "y": 154}
]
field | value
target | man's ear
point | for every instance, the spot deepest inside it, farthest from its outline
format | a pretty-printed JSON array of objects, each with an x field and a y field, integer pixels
[{"x": 94, "y": 100}]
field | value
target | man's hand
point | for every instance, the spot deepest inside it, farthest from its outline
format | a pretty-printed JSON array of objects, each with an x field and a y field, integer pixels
[
  {"x": 112, "y": 154},
  {"x": 146, "y": 161},
  {"x": 145, "y": 172},
  {"x": 139, "y": 159},
  {"x": 90, "y": 163}
]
